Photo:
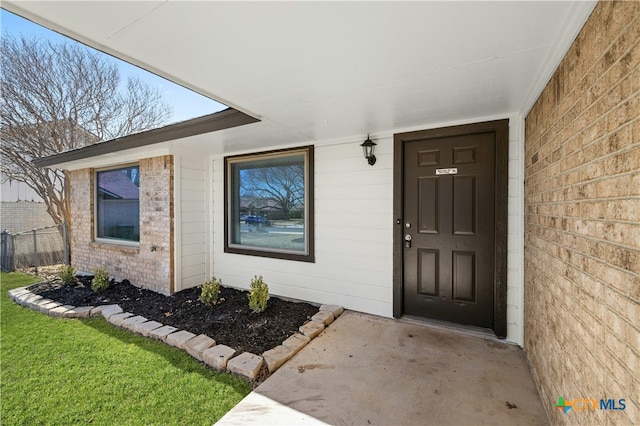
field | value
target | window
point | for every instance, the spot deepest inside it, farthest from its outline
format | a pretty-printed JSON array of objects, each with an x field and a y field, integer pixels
[
  {"x": 269, "y": 204},
  {"x": 118, "y": 204}
]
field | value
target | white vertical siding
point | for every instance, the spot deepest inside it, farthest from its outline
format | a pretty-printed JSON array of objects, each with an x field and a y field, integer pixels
[
  {"x": 353, "y": 233},
  {"x": 353, "y": 241},
  {"x": 515, "y": 236},
  {"x": 191, "y": 220}
]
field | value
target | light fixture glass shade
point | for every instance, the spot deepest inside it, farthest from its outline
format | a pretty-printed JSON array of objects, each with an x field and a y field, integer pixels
[{"x": 367, "y": 149}]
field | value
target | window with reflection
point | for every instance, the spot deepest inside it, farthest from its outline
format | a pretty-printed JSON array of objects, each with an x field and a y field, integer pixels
[
  {"x": 269, "y": 199},
  {"x": 118, "y": 204}
]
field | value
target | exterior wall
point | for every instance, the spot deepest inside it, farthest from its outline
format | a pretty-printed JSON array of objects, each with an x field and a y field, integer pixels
[
  {"x": 23, "y": 215},
  {"x": 354, "y": 227},
  {"x": 191, "y": 220},
  {"x": 17, "y": 191},
  {"x": 582, "y": 222},
  {"x": 515, "y": 232},
  {"x": 353, "y": 240},
  {"x": 21, "y": 209},
  {"x": 149, "y": 265}
]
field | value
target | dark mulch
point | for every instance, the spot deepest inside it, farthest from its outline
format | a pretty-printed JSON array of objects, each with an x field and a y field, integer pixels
[{"x": 230, "y": 322}]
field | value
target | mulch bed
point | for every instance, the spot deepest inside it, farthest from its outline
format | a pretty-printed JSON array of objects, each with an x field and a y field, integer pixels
[{"x": 230, "y": 322}]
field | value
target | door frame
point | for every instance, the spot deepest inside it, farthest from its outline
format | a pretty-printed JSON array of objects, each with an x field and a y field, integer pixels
[{"x": 501, "y": 131}]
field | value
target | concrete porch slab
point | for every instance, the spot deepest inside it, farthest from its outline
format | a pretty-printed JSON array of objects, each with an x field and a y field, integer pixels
[
  {"x": 258, "y": 409},
  {"x": 369, "y": 370}
]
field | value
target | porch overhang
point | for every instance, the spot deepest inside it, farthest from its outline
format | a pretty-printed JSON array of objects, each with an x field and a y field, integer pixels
[
  {"x": 380, "y": 68},
  {"x": 225, "y": 119}
]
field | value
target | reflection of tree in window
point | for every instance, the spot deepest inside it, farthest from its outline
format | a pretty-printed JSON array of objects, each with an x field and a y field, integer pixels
[
  {"x": 276, "y": 184},
  {"x": 133, "y": 175},
  {"x": 270, "y": 204}
]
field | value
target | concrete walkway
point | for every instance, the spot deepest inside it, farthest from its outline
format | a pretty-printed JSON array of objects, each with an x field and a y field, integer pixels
[{"x": 367, "y": 370}]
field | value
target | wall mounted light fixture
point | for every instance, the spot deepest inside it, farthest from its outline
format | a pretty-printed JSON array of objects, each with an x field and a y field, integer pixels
[{"x": 368, "y": 147}]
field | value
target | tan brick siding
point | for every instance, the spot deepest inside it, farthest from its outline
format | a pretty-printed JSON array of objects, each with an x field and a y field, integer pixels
[
  {"x": 582, "y": 222},
  {"x": 151, "y": 264}
]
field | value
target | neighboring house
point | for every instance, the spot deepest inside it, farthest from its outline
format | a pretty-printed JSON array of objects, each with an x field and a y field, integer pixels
[
  {"x": 505, "y": 196},
  {"x": 21, "y": 209},
  {"x": 270, "y": 208},
  {"x": 13, "y": 191}
]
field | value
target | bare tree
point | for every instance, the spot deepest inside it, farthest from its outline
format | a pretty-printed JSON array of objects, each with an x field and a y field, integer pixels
[
  {"x": 280, "y": 186},
  {"x": 62, "y": 96}
]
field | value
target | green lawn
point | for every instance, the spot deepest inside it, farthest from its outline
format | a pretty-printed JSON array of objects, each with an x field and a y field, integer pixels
[{"x": 61, "y": 371}]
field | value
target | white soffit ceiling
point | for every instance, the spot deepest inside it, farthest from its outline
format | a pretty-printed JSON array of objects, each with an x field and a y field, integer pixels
[{"x": 323, "y": 70}]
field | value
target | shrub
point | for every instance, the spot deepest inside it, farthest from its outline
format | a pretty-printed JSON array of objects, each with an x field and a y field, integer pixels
[
  {"x": 67, "y": 274},
  {"x": 210, "y": 291},
  {"x": 100, "y": 280},
  {"x": 258, "y": 295}
]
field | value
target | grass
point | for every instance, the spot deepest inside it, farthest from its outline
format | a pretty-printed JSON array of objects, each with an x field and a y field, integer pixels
[{"x": 61, "y": 371}]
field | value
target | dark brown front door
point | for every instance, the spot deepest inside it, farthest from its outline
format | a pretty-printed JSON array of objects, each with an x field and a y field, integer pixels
[{"x": 448, "y": 228}]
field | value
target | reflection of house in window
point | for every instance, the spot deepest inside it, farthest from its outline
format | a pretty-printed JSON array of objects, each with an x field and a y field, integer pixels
[
  {"x": 270, "y": 209},
  {"x": 118, "y": 204}
]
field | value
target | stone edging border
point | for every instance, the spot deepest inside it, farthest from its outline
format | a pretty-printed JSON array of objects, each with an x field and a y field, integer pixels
[{"x": 201, "y": 347}]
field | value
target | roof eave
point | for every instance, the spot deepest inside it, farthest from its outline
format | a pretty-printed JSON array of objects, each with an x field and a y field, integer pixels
[{"x": 206, "y": 124}]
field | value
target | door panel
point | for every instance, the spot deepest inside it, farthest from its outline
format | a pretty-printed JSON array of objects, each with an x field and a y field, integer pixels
[
  {"x": 429, "y": 158},
  {"x": 464, "y": 205},
  {"x": 464, "y": 155},
  {"x": 464, "y": 276},
  {"x": 428, "y": 205},
  {"x": 448, "y": 205},
  {"x": 428, "y": 272}
]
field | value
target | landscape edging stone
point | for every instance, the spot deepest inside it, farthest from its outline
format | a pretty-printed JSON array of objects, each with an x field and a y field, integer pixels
[{"x": 115, "y": 315}]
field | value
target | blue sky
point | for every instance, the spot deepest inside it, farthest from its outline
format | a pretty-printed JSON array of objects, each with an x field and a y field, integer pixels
[{"x": 186, "y": 103}]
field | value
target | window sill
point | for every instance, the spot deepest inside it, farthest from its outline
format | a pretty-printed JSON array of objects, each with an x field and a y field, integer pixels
[
  {"x": 270, "y": 254},
  {"x": 114, "y": 246}
]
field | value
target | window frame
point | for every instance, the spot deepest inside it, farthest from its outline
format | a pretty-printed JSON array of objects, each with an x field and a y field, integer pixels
[
  {"x": 309, "y": 254},
  {"x": 108, "y": 240}
]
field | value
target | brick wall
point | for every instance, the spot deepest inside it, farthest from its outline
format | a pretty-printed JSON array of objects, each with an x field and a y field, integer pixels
[
  {"x": 23, "y": 215},
  {"x": 582, "y": 222},
  {"x": 151, "y": 264}
]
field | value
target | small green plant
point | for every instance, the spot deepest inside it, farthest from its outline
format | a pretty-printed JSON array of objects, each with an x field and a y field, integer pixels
[
  {"x": 210, "y": 291},
  {"x": 258, "y": 295},
  {"x": 100, "y": 280},
  {"x": 67, "y": 274}
]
